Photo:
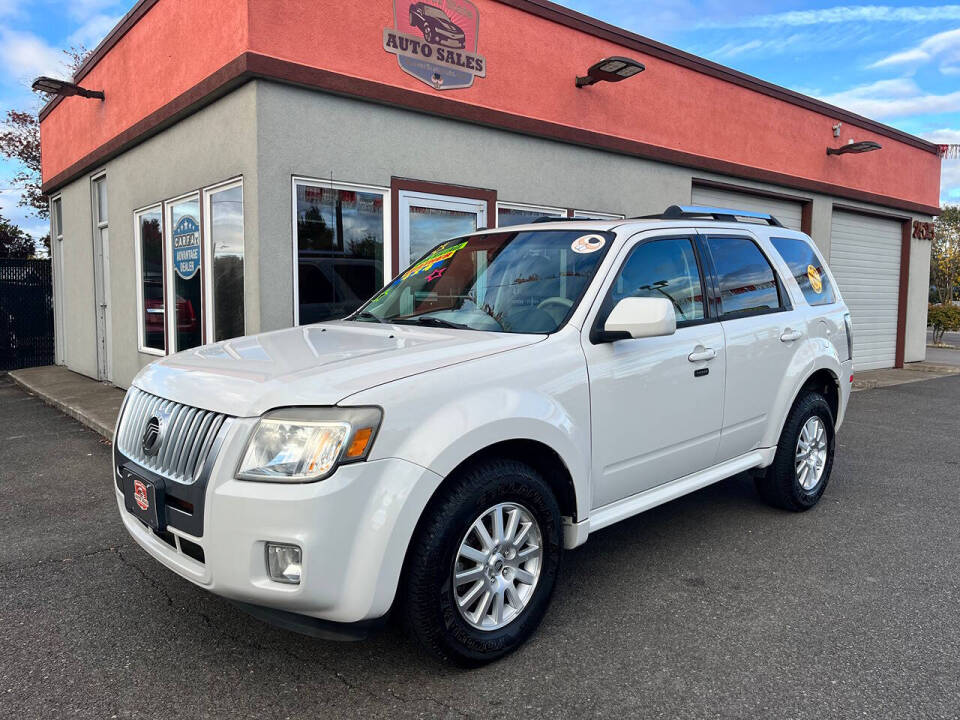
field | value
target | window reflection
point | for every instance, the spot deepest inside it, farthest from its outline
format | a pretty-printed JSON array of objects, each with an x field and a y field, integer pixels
[
  {"x": 430, "y": 226},
  {"x": 339, "y": 250},
  {"x": 665, "y": 269},
  {"x": 747, "y": 282},
  {"x": 226, "y": 229},
  {"x": 151, "y": 265}
]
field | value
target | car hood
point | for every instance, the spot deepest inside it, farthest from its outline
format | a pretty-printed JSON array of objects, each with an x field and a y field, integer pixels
[{"x": 312, "y": 365}]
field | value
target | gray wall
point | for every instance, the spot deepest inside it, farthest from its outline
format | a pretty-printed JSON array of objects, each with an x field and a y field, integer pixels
[
  {"x": 208, "y": 147},
  {"x": 267, "y": 132}
]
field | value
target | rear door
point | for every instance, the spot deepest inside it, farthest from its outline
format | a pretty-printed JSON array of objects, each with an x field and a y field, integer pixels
[
  {"x": 656, "y": 403},
  {"x": 761, "y": 336}
]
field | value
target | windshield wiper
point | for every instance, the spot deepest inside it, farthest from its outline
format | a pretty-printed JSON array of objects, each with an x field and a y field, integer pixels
[
  {"x": 365, "y": 315},
  {"x": 438, "y": 322}
]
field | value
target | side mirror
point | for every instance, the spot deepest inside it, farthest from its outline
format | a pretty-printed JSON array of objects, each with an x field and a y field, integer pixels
[{"x": 640, "y": 317}]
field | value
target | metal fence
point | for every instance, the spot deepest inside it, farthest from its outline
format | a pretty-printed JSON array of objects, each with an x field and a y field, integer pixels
[{"x": 26, "y": 314}]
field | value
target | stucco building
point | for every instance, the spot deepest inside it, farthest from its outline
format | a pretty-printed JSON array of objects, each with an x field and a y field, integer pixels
[{"x": 256, "y": 164}]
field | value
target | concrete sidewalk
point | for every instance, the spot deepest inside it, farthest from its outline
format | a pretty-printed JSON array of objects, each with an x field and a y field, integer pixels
[{"x": 95, "y": 404}]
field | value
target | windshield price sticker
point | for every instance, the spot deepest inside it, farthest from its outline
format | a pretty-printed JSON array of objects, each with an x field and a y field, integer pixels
[{"x": 588, "y": 244}]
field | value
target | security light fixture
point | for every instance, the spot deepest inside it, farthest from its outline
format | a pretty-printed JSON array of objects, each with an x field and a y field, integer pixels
[
  {"x": 854, "y": 147},
  {"x": 611, "y": 69},
  {"x": 53, "y": 86}
]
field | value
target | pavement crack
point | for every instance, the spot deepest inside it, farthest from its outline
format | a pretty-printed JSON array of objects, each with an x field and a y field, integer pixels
[
  {"x": 4, "y": 569},
  {"x": 150, "y": 580}
]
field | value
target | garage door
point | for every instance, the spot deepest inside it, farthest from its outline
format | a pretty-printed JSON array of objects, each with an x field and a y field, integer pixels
[
  {"x": 788, "y": 212},
  {"x": 865, "y": 260}
]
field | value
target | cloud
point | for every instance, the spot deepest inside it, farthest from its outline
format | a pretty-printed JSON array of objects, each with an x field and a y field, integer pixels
[
  {"x": 944, "y": 47},
  {"x": 950, "y": 182},
  {"x": 842, "y": 14},
  {"x": 944, "y": 136},
  {"x": 82, "y": 11},
  {"x": 93, "y": 30},
  {"x": 897, "y": 98},
  {"x": 24, "y": 56}
]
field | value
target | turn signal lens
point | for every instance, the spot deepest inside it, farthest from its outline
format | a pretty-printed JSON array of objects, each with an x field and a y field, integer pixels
[{"x": 360, "y": 441}]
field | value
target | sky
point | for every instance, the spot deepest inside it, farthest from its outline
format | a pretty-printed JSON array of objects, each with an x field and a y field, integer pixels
[{"x": 898, "y": 63}]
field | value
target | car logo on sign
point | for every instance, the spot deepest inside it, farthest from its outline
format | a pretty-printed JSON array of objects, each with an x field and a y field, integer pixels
[
  {"x": 150, "y": 442},
  {"x": 436, "y": 42},
  {"x": 140, "y": 495}
]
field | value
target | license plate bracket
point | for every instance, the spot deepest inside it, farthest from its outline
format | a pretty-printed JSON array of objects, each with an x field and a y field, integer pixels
[{"x": 144, "y": 500}]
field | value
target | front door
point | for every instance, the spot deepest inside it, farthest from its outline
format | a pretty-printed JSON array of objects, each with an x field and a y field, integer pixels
[
  {"x": 656, "y": 403},
  {"x": 427, "y": 220}
]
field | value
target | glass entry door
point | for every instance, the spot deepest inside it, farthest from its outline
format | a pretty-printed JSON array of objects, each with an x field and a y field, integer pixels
[{"x": 426, "y": 220}]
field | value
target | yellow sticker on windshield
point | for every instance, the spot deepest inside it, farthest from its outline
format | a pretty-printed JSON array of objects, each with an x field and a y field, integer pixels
[
  {"x": 815, "y": 281},
  {"x": 588, "y": 243}
]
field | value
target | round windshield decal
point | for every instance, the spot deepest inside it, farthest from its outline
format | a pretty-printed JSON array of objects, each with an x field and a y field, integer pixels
[
  {"x": 588, "y": 243},
  {"x": 186, "y": 247},
  {"x": 815, "y": 281}
]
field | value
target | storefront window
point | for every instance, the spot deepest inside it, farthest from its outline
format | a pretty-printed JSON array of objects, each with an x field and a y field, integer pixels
[
  {"x": 186, "y": 255},
  {"x": 225, "y": 208},
  {"x": 340, "y": 235},
  {"x": 150, "y": 239},
  {"x": 508, "y": 215}
]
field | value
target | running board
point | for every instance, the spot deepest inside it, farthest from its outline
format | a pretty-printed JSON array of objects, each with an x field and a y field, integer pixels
[{"x": 575, "y": 534}]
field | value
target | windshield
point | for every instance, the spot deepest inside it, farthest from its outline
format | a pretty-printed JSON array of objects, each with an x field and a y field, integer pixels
[
  {"x": 516, "y": 282},
  {"x": 435, "y": 13}
]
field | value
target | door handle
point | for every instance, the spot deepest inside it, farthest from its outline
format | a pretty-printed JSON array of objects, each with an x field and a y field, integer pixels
[
  {"x": 700, "y": 355},
  {"x": 791, "y": 335}
]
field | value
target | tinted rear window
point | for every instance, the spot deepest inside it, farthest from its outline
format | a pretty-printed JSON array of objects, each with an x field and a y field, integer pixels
[
  {"x": 747, "y": 283},
  {"x": 806, "y": 269}
]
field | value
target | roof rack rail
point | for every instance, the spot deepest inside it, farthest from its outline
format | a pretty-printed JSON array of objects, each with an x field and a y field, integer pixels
[{"x": 676, "y": 212}]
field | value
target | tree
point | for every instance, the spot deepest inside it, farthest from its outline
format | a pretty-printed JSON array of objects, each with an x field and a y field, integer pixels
[
  {"x": 945, "y": 254},
  {"x": 14, "y": 242},
  {"x": 20, "y": 141}
]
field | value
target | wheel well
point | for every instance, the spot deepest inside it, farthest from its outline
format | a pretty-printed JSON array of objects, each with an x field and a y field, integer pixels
[
  {"x": 825, "y": 383},
  {"x": 541, "y": 458}
]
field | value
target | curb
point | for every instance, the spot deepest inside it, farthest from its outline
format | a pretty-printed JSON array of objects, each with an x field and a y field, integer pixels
[{"x": 66, "y": 408}]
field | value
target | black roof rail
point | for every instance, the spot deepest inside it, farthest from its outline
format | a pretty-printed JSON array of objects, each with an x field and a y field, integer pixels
[{"x": 677, "y": 212}]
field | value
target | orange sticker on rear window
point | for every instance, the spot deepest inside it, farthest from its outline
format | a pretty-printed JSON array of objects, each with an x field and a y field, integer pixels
[{"x": 815, "y": 281}]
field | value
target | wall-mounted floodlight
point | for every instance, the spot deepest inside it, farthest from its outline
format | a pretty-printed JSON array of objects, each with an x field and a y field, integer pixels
[
  {"x": 857, "y": 147},
  {"x": 611, "y": 69},
  {"x": 53, "y": 86}
]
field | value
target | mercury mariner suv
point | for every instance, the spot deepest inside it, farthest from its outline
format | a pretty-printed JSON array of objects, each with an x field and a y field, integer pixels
[{"x": 434, "y": 453}]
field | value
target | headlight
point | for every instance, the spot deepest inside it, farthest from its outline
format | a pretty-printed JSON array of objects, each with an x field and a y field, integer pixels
[{"x": 307, "y": 444}]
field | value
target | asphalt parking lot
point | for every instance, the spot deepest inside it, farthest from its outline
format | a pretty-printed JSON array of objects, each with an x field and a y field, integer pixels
[{"x": 712, "y": 606}]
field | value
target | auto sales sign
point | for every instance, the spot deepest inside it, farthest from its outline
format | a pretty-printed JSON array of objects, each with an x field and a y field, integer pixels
[{"x": 436, "y": 41}]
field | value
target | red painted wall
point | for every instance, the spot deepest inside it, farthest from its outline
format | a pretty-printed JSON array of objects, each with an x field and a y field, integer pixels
[
  {"x": 174, "y": 46},
  {"x": 531, "y": 65}
]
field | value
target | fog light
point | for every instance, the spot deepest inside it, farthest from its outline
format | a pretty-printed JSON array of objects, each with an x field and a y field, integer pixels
[{"x": 283, "y": 563}]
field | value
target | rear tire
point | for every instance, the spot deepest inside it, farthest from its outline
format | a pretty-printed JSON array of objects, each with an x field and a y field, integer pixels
[
  {"x": 439, "y": 612},
  {"x": 801, "y": 468}
]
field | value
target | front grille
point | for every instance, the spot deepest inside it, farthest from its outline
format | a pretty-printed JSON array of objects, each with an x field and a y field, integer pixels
[{"x": 187, "y": 435}]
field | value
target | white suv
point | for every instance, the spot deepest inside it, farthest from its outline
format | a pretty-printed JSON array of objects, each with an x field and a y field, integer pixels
[{"x": 507, "y": 395}]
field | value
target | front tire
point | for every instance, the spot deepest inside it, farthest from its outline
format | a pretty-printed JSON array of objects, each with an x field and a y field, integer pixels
[
  {"x": 483, "y": 563},
  {"x": 801, "y": 468}
]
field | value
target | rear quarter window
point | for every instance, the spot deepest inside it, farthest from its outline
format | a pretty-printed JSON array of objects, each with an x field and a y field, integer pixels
[{"x": 807, "y": 270}]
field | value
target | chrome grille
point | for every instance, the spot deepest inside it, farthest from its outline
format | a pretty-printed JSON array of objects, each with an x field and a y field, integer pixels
[{"x": 188, "y": 433}]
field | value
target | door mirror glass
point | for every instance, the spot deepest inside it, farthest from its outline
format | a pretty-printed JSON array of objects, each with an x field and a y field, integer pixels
[{"x": 641, "y": 317}]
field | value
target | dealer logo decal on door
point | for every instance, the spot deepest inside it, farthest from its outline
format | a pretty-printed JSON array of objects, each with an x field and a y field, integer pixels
[{"x": 436, "y": 41}]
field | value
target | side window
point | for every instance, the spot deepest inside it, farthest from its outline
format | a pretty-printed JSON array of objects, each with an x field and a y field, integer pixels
[
  {"x": 666, "y": 269},
  {"x": 807, "y": 269},
  {"x": 748, "y": 285}
]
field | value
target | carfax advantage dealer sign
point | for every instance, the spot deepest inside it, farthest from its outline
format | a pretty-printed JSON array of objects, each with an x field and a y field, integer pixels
[{"x": 436, "y": 41}]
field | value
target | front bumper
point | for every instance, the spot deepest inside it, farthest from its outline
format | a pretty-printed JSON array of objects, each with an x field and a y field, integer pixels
[{"x": 353, "y": 529}]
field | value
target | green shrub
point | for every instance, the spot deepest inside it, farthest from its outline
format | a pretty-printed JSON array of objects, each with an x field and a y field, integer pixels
[{"x": 942, "y": 318}]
